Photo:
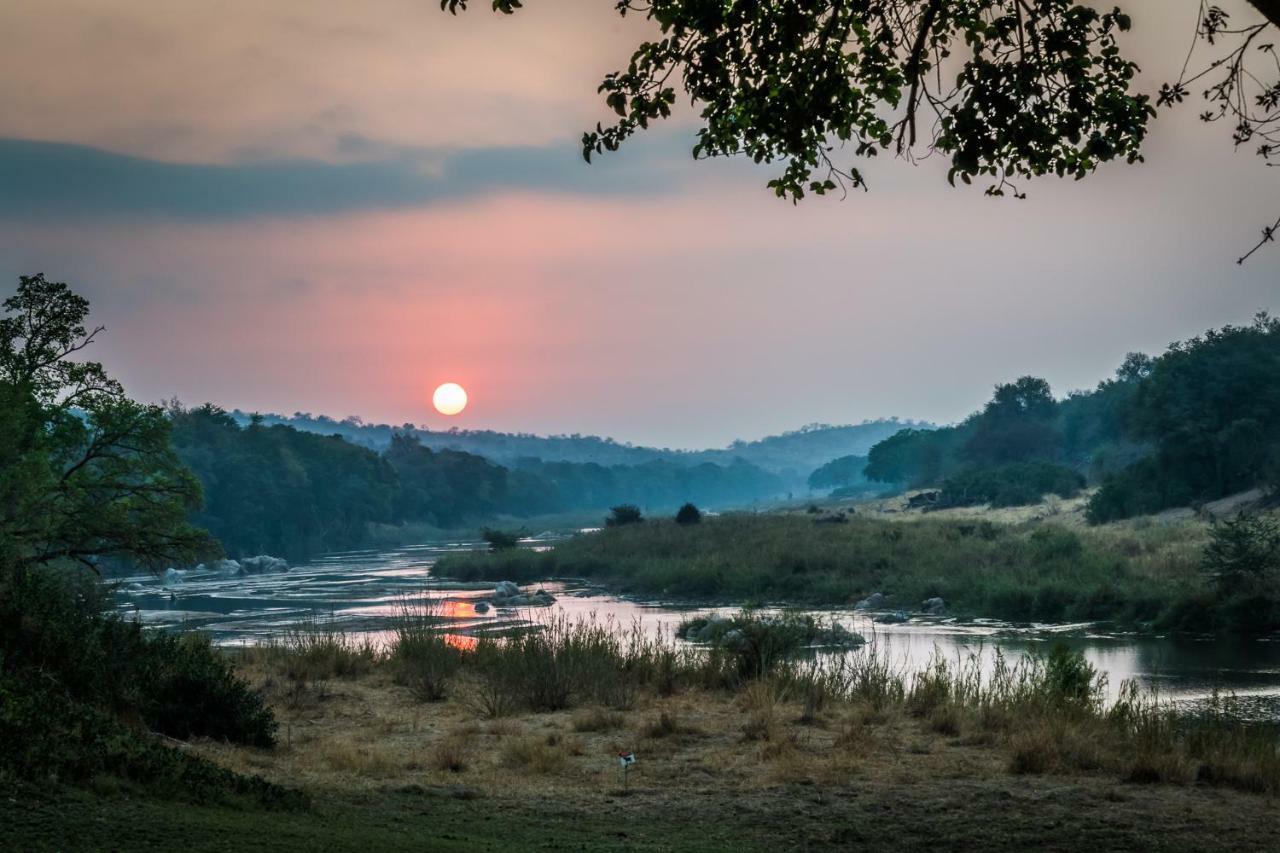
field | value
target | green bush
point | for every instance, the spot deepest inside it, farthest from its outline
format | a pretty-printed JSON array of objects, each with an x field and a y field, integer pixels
[
  {"x": 53, "y": 628},
  {"x": 500, "y": 540},
  {"x": 1014, "y": 484},
  {"x": 624, "y": 514},
  {"x": 688, "y": 514}
]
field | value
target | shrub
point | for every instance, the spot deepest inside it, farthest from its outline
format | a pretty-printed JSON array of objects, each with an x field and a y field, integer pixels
[
  {"x": 1014, "y": 484},
  {"x": 54, "y": 629},
  {"x": 500, "y": 540},
  {"x": 688, "y": 514},
  {"x": 1242, "y": 552},
  {"x": 622, "y": 515}
]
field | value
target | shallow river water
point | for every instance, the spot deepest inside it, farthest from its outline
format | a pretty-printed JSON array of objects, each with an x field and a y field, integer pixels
[{"x": 363, "y": 591}]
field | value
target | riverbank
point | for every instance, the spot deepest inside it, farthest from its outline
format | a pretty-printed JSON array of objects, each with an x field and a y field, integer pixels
[{"x": 1134, "y": 574}]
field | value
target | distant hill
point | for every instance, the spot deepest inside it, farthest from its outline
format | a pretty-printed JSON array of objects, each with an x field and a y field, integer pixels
[{"x": 791, "y": 455}]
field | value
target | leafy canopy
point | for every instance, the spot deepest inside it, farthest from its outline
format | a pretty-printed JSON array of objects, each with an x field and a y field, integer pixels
[
  {"x": 85, "y": 472},
  {"x": 1006, "y": 89}
]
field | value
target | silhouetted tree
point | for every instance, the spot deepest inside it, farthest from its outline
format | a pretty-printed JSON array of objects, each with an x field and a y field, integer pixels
[
  {"x": 622, "y": 515},
  {"x": 85, "y": 472},
  {"x": 688, "y": 514}
]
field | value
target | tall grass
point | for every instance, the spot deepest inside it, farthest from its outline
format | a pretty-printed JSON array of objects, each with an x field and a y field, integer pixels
[
  {"x": 421, "y": 655},
  {"x": 1048, "y": 711},
  {"x": 1039, "y": 571}
]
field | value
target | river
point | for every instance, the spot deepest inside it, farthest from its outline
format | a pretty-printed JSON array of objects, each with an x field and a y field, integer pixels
[{"x": 362, "y": 592}]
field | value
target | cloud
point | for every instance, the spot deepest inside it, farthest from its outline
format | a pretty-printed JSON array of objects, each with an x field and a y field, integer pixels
[{"x": 51, "y": 180}]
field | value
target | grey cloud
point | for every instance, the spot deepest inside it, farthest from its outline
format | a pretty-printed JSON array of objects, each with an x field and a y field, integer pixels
[{"x": 57, "y": 180}]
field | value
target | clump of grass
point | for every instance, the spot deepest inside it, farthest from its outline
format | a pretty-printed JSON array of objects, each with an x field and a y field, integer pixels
[
  {"x": 422, "y": 657},
  {"x": 667, "y": 723},
  {"x": 533, "y": 754},
  {"x": 360, "y": 759},
  {"x": 315, "y": 649},
  {"x": 451, "y": 753},
  {"x": 596, "y": 719}
]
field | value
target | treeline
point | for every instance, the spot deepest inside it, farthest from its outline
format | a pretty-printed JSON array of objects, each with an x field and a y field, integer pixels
[
  {"x": 1197, "y": 423},
  {"x": 790, "y": 455},
  {"x": 279, "y": 490}
]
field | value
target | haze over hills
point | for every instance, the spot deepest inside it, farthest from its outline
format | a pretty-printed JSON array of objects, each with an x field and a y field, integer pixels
[{"x": 792, "y": 455}]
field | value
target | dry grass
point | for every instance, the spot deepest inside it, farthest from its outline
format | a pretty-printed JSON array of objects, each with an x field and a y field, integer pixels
[
  {"x": 369, "y": 733},
  {"x": 597, "y": 719}
]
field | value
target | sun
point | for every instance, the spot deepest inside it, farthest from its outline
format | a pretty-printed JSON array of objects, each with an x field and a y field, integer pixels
[{"x": 449, "y": 399}]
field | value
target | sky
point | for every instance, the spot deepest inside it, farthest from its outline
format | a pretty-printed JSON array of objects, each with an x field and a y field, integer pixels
[{"x": 333, "y": 208}]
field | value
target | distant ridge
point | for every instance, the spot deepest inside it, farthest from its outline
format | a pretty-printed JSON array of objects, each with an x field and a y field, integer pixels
[{"x": 792, "y": 455}]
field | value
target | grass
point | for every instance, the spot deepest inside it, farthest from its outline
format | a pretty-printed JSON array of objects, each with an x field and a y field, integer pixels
[
  {"x": 1036, "y": 571},
  {"x": 1013, "y": 757}
]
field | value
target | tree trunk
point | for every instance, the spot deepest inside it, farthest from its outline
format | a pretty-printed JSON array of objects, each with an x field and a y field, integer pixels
[{"x": 1270, "y": 9}]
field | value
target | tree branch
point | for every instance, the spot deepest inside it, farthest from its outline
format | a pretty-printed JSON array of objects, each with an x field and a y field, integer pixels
[{"x": 1270, "y": 9}]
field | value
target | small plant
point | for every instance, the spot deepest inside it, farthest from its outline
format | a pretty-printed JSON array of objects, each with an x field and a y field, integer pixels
[
  {"x": 688, "y": 514},
  {"x": 451, "y": 753},
  {"x": 624, "y": 514},
  {"x": 534, "y": 754}
]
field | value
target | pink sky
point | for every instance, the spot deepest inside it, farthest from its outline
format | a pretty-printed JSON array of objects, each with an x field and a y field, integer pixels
[{"x": 671, "y": 303}]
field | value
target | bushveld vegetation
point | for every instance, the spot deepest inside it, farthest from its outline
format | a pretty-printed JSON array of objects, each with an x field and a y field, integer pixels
[
  {"x": 1028, "y": 572},
  {"x": 1194, "y": 424}
]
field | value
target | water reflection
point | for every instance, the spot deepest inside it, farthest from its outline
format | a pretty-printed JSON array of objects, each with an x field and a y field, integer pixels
[{"x": 364, "y": 592}]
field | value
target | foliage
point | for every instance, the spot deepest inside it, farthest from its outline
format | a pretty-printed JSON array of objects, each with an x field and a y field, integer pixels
[
  {"x": 45, "y": 735},
  {"x": 1210, "y": 410},
  {"x": 1012, "y": 484},
  {"x": 53, "y": 628},
  {"x": 782, "y": 81},
  {"x": 500, "y": 540},
  {"x": 85, "y": 472},
  {"x": 842, "y": 472},
  {"x": 688, "y": 514},
  {"x": 275, "y": 490},
  {"x": 1242, "y": 562},
  {"x": 624, "y": 514},
  {"x": 1243, "y": 551}
]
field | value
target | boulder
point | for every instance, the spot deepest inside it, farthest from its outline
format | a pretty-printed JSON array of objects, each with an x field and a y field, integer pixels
[
  {"x": 505, "y": 589},
  {"x": 263, "y": 564},
  {"x": 895, "y": 618},
  {"x": 933, "y": 606},
  {"x": 221, "y": 567},
  {"x": 482, "y": 607},
  {"x": 874, "y": 601},
  {"x": 171, "y": 577},
  {"x": 541, "y": 598}
]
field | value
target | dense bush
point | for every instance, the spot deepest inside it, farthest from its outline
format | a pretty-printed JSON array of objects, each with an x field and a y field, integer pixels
[
  {"x": 499, "y": 540},
  {"x": 53, "y": 629},
  {"x": 624, "y": 514},
  {"x": 688, "y": 514},
  {"x": 1014, "y": 484}
]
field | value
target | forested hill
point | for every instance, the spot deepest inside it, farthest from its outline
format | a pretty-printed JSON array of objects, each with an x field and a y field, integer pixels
[
  {"x": 792, "y": 455},
  {"x": 272, "y": 488},
  {"x": 1194, "y": 424}
]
